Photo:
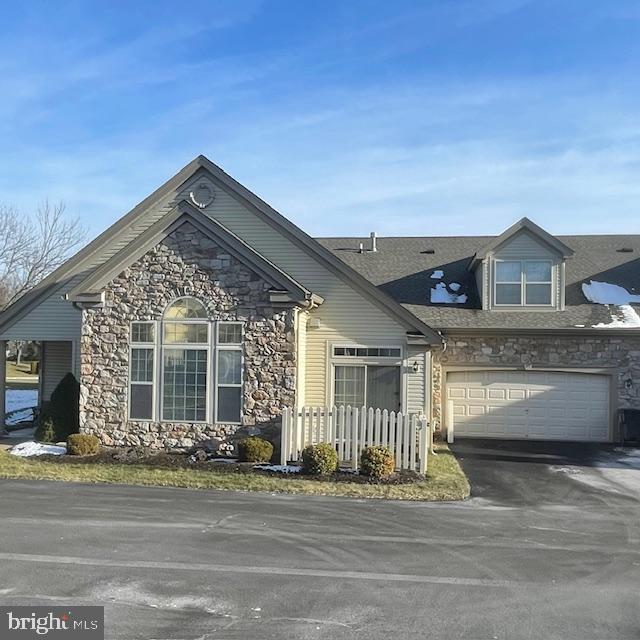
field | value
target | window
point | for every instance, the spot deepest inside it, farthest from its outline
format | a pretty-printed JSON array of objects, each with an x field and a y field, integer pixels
[
  {"x": 523, "y": 282},
  {"x": 200, "y": 367},
  {"x": 229, "y": 372},
  {"x": 367, "y": 376},
  {"x": 142, "y": 359}
]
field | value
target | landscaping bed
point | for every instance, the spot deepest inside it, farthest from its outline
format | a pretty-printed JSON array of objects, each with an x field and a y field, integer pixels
[{"x": 444, "y": 481}]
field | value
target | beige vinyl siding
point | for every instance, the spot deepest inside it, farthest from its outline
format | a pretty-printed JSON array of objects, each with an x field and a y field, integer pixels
[
  {"x": 301, "y": 341},
  {"x": 525, "y": 246},
  {"x": 416, "y": 382},
  {"x": 57, "y": 363}
]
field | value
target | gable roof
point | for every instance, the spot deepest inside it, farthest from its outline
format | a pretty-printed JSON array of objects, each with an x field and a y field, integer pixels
[
  {"x": 181, "y": 214},
  {"x": 524, "y": 224},
  {"x": 402, "y": 267},
  {"x": 73, "y": 266}
]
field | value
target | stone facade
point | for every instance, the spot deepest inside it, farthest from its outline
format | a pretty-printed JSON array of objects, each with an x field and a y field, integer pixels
[
  {"x": 620, "y": 354},
  {"x": 186, "y": 263}
]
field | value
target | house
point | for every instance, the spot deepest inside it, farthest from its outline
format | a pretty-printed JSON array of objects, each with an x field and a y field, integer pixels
[{"x": 203, "y": 310}]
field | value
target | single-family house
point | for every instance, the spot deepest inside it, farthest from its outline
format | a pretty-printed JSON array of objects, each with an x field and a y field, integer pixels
[{"x": 204, "y": 310}]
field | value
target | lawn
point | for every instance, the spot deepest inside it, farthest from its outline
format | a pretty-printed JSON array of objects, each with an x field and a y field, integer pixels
[{"x": 445, "y": 479}]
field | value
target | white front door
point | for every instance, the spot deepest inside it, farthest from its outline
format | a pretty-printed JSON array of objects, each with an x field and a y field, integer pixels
[{"x": 537, "y": 405}]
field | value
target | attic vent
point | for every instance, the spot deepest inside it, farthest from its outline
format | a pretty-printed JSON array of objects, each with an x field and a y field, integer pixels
[
  {"x": 625, "y": 250},
  {"x": 429, "y": 251}
]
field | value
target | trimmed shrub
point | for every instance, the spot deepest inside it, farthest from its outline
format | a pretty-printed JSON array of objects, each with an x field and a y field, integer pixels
[
  {"x": 377, "y": 462},
  {"x": 83, "y": 444},
  {"x": 254, "y": 449},
  {"x": 319, "y": 459},
  {"x": 46, "y": 430}
]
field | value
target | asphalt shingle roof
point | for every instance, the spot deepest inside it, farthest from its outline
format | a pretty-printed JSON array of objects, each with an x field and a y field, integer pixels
[{"x": 402, "y": 267}]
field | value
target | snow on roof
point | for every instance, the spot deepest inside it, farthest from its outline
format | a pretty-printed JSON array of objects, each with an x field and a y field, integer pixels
[
  {"x": 438, "y": 274},
  {"x": 441, "y": 295},
  {"x": 623, "y": 314}
]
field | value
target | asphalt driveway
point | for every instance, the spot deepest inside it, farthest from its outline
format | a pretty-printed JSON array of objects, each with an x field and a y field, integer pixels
[
  {"x": 518, "y": 472},
  {"x": 179, "y": 564}
]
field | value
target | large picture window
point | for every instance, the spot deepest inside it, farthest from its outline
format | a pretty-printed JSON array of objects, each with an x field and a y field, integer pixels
[
  {"x": 199, "y": 365},
  {"x": 367, "y": 377},
  {"x": 523, "y": 282}
]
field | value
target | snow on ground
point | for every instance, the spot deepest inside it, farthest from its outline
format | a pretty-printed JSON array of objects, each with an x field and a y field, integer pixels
[
  {"x": 279, "y": 468},
  {"x": 618, "y": 471},
  {"x": 441, "y": 295},
  {"x": 622, "y": 313},
  {"x": 29, "y": 449},
  {"x": 438, "y": 274},
  {"x": 19, "y": 398}
]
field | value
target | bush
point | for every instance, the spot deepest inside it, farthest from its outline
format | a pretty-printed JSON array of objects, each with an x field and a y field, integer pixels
[
  {"x": 377, "y": 462},
  {"x": 319, "y": 459},
  {"x": 62, "y": 411},
  {"x": 83, "y": 444},
  {"x": 46, "y": 430},
  {"x": 254, "y": 449}
]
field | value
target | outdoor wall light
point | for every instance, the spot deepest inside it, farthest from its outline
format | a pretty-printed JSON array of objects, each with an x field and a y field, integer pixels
[
  {"x": 628, "y": 384},
  {"x": 415, "y": 367}
]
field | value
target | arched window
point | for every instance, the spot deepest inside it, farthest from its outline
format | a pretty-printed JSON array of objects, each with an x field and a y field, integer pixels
[
  {"x": 185, "y": 361},
  {"x": 200, "y": 368}
]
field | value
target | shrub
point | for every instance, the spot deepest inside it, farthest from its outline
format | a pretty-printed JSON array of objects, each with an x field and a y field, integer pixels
[
  {"x": 254, "y": 449},
  {"x": 82, "y": 444},
  {"x": 377, "y": 462},
  {"x": 46, "y": 430},
  {"x": 319, "y": 459}
]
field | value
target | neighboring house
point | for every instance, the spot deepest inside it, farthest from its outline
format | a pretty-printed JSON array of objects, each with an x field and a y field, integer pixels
[{"x": 204, "y": 310}]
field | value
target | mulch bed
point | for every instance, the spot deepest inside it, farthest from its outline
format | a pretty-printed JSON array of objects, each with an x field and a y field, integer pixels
[{"x": 162, "y": 460}]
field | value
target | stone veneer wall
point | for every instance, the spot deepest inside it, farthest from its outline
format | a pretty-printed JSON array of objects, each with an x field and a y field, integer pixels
[
  {"x": 589, "y": 352},
  {"x": 186, "y": 263}
]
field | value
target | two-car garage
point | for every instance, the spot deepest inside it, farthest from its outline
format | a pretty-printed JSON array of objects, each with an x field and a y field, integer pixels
[{"x": 537, "y": 405}]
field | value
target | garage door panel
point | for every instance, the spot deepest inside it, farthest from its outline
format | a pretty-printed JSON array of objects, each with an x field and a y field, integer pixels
[{"x": 531, "y": 404}]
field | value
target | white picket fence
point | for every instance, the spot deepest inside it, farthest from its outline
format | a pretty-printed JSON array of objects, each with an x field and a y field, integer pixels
[{"x": 351, "y": 429}]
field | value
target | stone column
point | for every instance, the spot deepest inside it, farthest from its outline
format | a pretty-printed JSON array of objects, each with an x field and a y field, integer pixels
[{"x": 3, "y": 385}]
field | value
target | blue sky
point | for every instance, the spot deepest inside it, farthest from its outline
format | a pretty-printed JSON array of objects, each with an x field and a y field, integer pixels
[{"x": 408, "y": 118}]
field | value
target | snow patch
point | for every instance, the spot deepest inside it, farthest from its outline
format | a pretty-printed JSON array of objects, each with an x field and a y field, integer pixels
[
  {"x": 454, "y": 286},
  {"x": 438, "y": 274},
  {"x": 623, "y": 314},
  {"x": 441, "y": 295},
  {"x": 278, "y": 468},
  {"x": 29, "y": 449}
]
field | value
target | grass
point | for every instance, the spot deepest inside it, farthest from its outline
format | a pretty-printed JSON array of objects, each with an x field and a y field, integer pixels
[{"x": 445, "y": 479}]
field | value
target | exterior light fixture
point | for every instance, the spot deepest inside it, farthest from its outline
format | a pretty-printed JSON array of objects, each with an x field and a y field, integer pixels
[{"x": 415, "y": 367}]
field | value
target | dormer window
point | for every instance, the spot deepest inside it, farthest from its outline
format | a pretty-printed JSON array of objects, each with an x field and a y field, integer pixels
[{"x": 523, "y": 282}]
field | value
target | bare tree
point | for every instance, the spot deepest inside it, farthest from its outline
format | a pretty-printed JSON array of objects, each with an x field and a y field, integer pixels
[{"x": 31, "y": 247}]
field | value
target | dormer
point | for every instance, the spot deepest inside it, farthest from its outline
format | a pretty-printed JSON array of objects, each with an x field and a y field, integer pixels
[{"x": 523, "y": 269}]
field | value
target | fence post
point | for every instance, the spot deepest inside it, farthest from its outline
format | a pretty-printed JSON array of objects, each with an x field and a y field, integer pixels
[
  {"x": 284, "y": 437},
  {"x": 425, "y": 431},
  {"x": 354, "y": 437}
]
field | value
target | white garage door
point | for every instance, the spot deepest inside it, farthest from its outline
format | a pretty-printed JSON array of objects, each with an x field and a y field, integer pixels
[{"x": 529, "y": 404}]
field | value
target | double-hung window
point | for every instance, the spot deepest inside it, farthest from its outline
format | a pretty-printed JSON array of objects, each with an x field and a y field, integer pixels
[
  {"x": 142, "y": 367},
  {"x": 199, "y": 367},
  {"x": 523, "y": 282}
]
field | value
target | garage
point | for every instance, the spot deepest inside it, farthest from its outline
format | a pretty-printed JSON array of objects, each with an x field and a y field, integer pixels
[{"x": 538, "y": 405}]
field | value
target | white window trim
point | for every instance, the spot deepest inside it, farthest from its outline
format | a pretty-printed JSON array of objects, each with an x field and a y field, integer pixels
[
  {"x": 151, "y": 346},
  {"x": 522, "y": 283},
  {"x": 363, "y": 361},
  {"x": 228, "y": 347},
  {"x": 212, "y": 346}
]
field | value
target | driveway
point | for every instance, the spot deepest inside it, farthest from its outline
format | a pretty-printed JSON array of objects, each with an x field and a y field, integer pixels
[
  {"x": 180, "y": 564},
  {"x": 521, "y": 472}
]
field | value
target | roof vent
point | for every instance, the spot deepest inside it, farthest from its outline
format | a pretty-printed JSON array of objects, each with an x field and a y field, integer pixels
[
  {"x": 625, "y": 250},
  {"x": 374, "y": 241},
  {"x": 429, "y": 251}
]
